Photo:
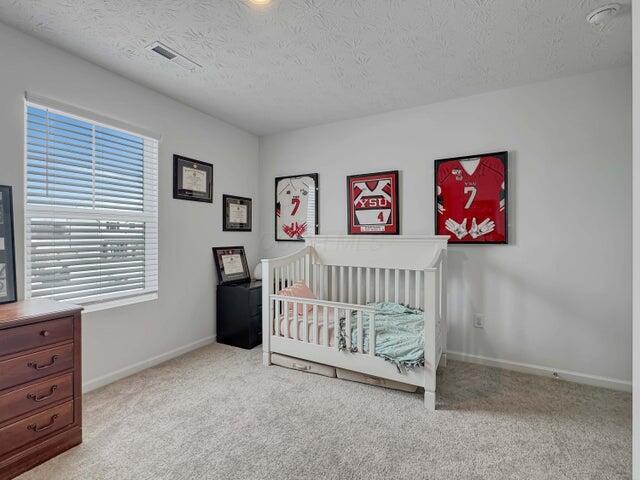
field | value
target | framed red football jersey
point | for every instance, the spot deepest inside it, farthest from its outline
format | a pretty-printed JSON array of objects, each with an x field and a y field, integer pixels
[
  {"x": 471, "y": 198},
  {"x": 373, "y": 203}
]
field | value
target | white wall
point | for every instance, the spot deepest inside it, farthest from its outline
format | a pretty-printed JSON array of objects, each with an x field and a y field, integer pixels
[
  {"x": 118, "y": 341},
  {"x": 559, "y": 296}
]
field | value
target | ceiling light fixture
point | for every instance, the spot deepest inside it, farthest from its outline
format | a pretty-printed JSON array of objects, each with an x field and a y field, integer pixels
[
  {"x": 260, "y": 3},
  {"x": 603, "y": 14}
]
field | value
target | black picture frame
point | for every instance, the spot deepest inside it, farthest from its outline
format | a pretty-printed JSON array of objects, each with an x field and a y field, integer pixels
[
  {"x": 504, "y": 158},
  {"x": 351, "y": 226},
  {"x": 227, "y": 224},
  {"x": 8, "y": 289},
  {"x": 316, "y": 229},
  {"x": 179, "y": 191},
  {"x": 225, "y": 278}
]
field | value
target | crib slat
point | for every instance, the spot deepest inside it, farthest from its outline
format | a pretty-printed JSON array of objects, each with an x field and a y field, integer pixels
[
  {"x": 350, "y": 283},
  {"x": 325, "y": 325},
  {"x": 368, "y": 285},
  {"x": 360, "y": 332},
  {"x": 359, "y": 285},
  {"x": 347, "y": 328},
  {"x": 336, "y": 327},
  {"x": 342, "y": 284},
  {"x": 417, "y": 305},
  {"x": 305, "y": 324},
  {"x": 372, "y": 334},
  {"x": 334, "y": 284},
  {"x": 407, "y": 292},
  {"x": 396, "y": 285},
  {"x": 386, "y": 285},
  {"x": 377, "y": 285},
  {"x": 316, "y": 340},
  {"x": 285, "y": 317},
  {"x": 325, "y": 282},
  {"x": 307, "y": 259},
  {"x": 294, "y": 320},
  {"x": 277, "y": 319}
]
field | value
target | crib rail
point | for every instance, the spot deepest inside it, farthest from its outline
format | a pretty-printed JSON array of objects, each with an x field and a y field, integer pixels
[{"x": 293, "y": 317}]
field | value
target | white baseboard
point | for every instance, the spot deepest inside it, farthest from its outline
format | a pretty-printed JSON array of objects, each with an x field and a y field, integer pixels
[
  {"x": 594, "y": 380},
  {"x": 143, "y": 365}
]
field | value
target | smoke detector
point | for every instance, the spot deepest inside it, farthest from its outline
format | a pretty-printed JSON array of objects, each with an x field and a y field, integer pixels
[
  {"x": 603, "y": 14},
  {"x": 171, "y": 55}
]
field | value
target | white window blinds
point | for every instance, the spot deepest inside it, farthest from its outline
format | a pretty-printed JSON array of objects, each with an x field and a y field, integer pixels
[{"x": 91, "y": 216}]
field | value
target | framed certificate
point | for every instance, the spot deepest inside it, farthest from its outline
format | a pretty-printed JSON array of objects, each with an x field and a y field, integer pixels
[
  {"x": 236, "y": 214},
  {"x": 192, "y": 179},
  {"x": 7, "y": 248},
  {"x": 231, "y": 265}
]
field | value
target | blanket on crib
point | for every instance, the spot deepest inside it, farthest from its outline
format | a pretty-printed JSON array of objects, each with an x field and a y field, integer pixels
[{"x": 399, "y": 334}]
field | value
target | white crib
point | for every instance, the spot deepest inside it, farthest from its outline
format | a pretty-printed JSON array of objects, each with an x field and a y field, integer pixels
[{"x": 346, "y": 273}]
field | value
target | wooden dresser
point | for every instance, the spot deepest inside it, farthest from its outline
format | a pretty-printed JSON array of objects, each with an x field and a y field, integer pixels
[{"x": 40, "y": 383}]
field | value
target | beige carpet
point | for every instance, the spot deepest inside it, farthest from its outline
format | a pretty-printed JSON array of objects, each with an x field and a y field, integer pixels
[{"x": 217, "y": 413}]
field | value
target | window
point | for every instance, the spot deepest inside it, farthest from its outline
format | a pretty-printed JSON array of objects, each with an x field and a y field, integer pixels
[{"x": 91, "y": 214}]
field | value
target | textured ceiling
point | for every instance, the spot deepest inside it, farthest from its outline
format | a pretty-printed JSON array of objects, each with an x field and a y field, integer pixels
[{"x": 304, "y": 62}]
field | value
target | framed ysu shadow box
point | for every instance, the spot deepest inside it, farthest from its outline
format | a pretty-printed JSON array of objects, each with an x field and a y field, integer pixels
[{"x": 192, "y": 179}]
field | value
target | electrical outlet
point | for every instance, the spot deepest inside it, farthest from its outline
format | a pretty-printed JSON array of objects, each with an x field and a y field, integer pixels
[{"x": 478, "y": 320}]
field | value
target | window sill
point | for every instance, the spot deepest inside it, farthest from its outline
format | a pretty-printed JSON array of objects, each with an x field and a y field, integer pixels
[{"x": 120, "y": 302}]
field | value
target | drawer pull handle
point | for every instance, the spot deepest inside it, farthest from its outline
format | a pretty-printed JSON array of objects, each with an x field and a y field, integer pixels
[
  {"x": 39, "y": 398},
  {"x": 304, "y": 368},
  {"x": 37, "y": 429},
  {"x": 45, "y": 366},
  {"x": 45, "y": 333}
]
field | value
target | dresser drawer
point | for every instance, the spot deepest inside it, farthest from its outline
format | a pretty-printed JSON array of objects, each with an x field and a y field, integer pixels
[
  {"x": 35, "y": 335},
  {"x": 34, "y": 365},
  {"x": 34, "y": 427},
  {"x": 26, "y": 399}
]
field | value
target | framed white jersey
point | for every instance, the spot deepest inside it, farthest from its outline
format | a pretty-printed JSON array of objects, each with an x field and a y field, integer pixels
[
  {"x": 373, "y": 203},
  {"x": 296, "y": 210}
]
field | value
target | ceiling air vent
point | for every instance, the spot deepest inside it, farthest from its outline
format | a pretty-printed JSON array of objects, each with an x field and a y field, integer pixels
[{"x": 170, "y": 54}]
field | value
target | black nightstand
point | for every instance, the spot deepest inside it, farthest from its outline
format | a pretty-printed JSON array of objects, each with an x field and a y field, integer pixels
[{"x": 239, "y": 314}]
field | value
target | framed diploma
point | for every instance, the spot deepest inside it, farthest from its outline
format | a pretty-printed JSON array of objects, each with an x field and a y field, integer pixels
[
  {"x": 192, "y": 179},
  {"x": 7, "y": 248},
  {"x": 236, "y": 214},
  {"x": 231, "y": 265}
]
